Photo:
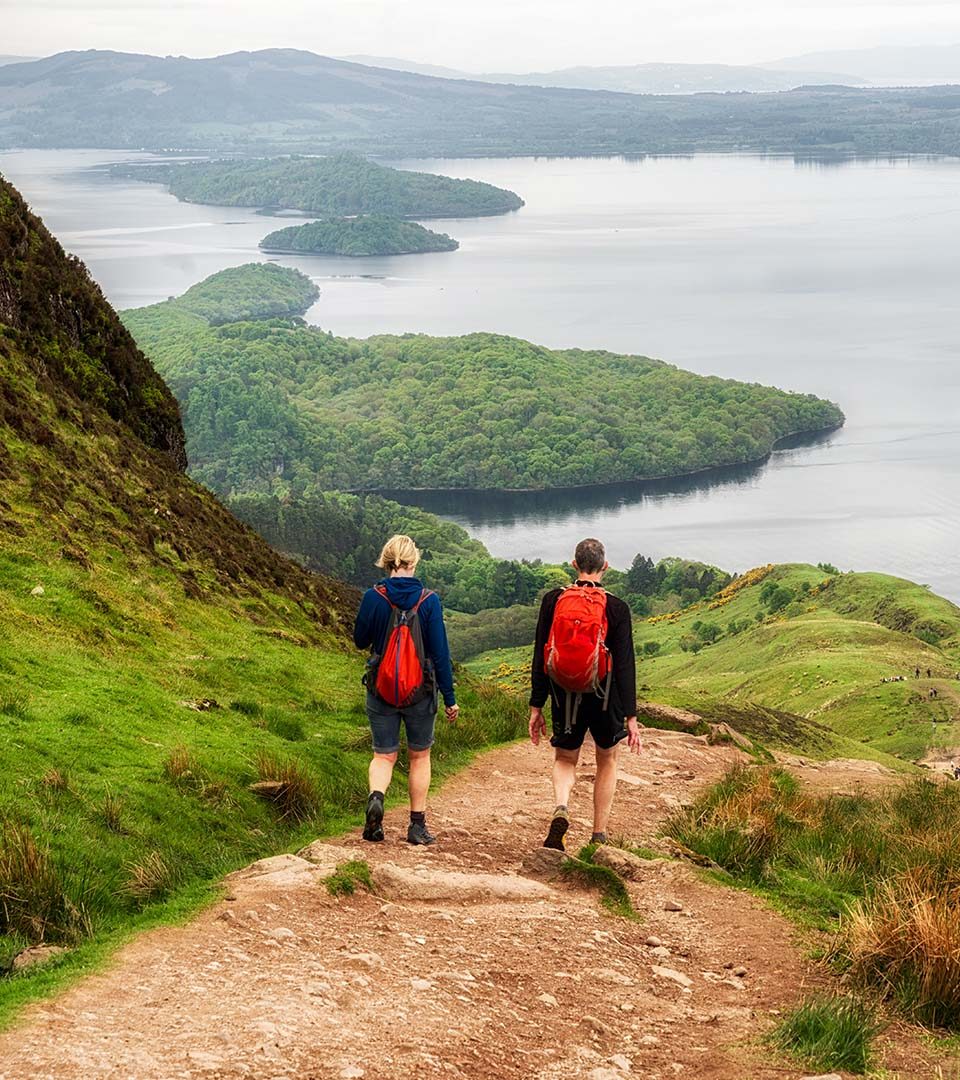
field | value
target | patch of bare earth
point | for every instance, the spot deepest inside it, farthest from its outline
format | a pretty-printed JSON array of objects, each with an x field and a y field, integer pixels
[{"x": 512, "y": 974}]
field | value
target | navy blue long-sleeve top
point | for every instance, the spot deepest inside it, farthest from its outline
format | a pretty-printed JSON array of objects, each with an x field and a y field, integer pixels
[{"x": 376, "y": 616}]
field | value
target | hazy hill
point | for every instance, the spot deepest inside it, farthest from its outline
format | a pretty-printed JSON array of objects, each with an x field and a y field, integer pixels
[
  {"x": 268, "y": 403},
  {"x": 890, "y": 65},
  {"x": 634, "y": 78},
  {"x": 288, "y": 100},
  {"x": 156, "y": 656}
]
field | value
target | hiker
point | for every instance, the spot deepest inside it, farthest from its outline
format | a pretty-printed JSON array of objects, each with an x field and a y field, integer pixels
[
  {"x": 916, "y": 673},
  {"x": 401, "y": 623},
  {"x": 583, "y": 661},
  {"x": 956, "y": 771}
]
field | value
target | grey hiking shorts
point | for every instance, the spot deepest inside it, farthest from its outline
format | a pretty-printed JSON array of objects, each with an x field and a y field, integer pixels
[{"x": 385, "y": 720}]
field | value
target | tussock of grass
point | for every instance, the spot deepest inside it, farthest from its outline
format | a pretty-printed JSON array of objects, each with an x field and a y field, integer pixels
[
  {"x": 881, "y": 871},
  {"x": 111, "y": 811},
  {"x": 346, "y": 878},
  {"x": 613, "y": 889},
  {"x": 296, "y": 796},
  {"x": 148, "y": 879},
  {"x": 34, "y": 902},
  {"x": 829, "y": 1033}
]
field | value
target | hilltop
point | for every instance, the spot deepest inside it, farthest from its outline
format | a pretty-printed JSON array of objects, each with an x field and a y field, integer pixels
[
  {"x": 337, "y": 185},
  {"x": 288, "y": 100},
  {"x": 335, "y": 413},
  {"x": 371, "y": 234},
  {"x": 156, "y": 656}
]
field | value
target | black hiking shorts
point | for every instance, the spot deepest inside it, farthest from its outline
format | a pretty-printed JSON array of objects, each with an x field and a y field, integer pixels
[{"x": 605, "y": 728}]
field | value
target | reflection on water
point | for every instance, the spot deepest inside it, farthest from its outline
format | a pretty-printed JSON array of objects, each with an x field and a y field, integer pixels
[{"x": 492, "y": 507}]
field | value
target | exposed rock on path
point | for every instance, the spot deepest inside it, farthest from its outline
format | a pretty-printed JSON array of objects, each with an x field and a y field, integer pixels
[{"x": 478, "y": 961}]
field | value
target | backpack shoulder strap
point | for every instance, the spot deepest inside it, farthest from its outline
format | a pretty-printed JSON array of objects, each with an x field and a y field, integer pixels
[
  {"x": 381, "y": 590},
  {"x": 425, "y": 595}
]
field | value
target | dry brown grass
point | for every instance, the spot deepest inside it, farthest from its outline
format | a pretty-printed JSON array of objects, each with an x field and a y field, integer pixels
[
  {"x": 905, "y": 940},
  {"x": 180, "y": 764},
  {"x": 55, "y": 780}
]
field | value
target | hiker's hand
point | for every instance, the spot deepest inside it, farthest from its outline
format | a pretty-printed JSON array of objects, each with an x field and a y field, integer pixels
[
  {"x": 452, "y": 711},
  {"x": 538, "y": 726},
  {"x": 633, "y": 735}
]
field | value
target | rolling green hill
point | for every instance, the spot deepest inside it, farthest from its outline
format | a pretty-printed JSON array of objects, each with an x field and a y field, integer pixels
[
  {"x": 279, "y": 406},
  {"x": 288, "y": 100},
  {"x": 799, "y": 640},
  {"x": 337, "y": 185},
  {"x": 156, "y": 656},
  {"x": 371, "y": 234}
]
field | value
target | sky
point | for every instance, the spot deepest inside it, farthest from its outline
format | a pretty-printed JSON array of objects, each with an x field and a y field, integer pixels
[{"x": 490, "y": 35}]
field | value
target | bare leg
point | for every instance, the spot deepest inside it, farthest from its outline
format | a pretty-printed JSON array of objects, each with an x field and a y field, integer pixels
[
  {"x": 381, "y": 771},
  {"x": 604, "y": 787},
  {"x": 564, "y": 774},
  {"x": 419, "y": 779}
]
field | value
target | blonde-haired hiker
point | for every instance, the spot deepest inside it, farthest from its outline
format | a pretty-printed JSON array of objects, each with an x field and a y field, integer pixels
[{"x": 401, "y": 623}]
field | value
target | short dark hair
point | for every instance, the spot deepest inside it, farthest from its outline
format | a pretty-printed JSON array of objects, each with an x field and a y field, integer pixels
[{"x": 590, "y": 556}]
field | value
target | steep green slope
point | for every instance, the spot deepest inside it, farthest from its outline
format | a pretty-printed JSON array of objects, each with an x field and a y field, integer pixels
[
  {"x": 339, "y": 184},
  {"x": 273, "y": 405},
  {"x": 156, "y": 656},
  {"x": 795, "y": 639},
  {"x": 370, "y": 234}
]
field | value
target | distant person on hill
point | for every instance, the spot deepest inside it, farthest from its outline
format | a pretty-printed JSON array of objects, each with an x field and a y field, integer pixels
[
  {"x": 583, "y": 661},
  {"x": 401, "y": 623},
  {"x": 916, "y": 672}
]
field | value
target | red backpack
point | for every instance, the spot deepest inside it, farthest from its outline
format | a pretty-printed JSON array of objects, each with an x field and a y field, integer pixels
[
  {"x": 402, "y": 669},
  {"x": 576, "y": 657}
]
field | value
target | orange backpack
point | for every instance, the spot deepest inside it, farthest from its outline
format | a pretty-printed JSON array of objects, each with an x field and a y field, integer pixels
[
  {"x": 576, "y": 657},
  {"x": 402, "y": 677}
]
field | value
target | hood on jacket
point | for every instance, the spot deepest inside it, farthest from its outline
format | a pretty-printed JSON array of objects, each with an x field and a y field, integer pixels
[{"x": 403, "y": 591}]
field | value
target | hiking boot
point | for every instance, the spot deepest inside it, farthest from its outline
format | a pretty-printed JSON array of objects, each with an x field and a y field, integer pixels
[
  {"x": 373, "y": 826},
  {"x": 417, "y": 834},
  {"x": 558, "y": 830}
]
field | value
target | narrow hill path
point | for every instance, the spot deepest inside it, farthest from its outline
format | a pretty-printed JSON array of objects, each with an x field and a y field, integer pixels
[{"x": 516, "y": 974}]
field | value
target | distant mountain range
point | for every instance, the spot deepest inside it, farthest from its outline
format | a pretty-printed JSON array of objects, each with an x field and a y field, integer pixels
[
  {"x": 637, "y": 78},
  {"x": 892, "y": 65},
  {"x": 286, "y": 100},
  {"x": 16, "y": 59}
]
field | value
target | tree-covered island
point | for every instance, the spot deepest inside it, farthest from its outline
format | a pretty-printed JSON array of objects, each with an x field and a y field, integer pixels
[{"x": 368, "y": 234}]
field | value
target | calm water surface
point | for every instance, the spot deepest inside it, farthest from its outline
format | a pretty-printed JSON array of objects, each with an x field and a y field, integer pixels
[{"x": 842, "y": 281}]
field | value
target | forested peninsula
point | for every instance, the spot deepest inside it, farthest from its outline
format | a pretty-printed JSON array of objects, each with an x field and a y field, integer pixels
[
  {"x": 369, "y": 234},
  {"x": 271, "y": 402},
  {"x": 339, "y": 185}
]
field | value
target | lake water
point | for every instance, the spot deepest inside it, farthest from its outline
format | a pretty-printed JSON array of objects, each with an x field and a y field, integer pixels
[{"x": 838, "y": 280}]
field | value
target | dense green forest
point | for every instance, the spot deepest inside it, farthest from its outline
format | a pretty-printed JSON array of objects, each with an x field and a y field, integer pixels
[
  {"x": 287, "y": 100},
  {"x": 252, "y": 291},
  {"x": 341, "y": 185},
  {"x": 275, "y": 406},
  {"x": 369, "y": 234}
]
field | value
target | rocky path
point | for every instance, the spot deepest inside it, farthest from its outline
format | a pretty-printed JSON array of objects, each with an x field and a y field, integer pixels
[{"x": 473, "y": 960}]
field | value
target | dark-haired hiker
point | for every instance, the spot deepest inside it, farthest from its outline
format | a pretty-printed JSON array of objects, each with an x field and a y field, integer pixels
[
  {"x": 402, "y": 590},
  {"x": 608, "y": 711}
]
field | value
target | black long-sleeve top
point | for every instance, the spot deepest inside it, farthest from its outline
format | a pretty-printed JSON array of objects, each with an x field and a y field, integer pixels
[{"x": 619, "y": 640}]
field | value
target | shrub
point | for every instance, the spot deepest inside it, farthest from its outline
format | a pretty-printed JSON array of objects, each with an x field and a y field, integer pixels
[
  {"x": 651, "y": 648},
  {"x": 829, "y": 1033}
]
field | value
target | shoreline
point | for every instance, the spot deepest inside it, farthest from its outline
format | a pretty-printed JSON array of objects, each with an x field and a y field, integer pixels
[{"x": 812, "y": 434}]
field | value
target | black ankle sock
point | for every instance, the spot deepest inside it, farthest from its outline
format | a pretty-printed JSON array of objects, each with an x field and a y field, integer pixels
[
  {"x": 375, "y": 795},
  {"x": 418, "y": 817}
]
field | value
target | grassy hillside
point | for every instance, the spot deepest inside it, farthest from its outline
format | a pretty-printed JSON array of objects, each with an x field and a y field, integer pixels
[
  {"x": 822, "y": 656},
  {"x": 369, "y": 234},
  {"x": 280, "y": 406},
  {"x": 156, "y": 656},
  {"x": 338, "y": 184},
  {"x": 287, "y": 100}
]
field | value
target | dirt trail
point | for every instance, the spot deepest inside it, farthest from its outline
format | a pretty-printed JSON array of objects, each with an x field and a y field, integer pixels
[{"x": 284, "y": 980}]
